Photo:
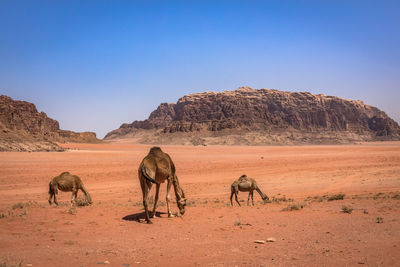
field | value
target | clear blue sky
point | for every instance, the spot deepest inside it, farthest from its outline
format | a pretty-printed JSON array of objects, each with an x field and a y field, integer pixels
[{"x": 93, "y": 65}]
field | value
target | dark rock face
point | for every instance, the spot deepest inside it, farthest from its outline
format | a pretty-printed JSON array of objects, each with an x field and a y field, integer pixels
[
  {"x": 266, "y": 111},
  {"x": 23, "y": 128}
]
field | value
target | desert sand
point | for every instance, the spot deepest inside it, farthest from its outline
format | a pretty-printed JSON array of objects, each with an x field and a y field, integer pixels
[{"x": 211, "y": 233}]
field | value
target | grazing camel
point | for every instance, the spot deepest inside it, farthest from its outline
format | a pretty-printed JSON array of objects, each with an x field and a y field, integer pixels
[
  {"x": 245, "y": 184},
  {"x": 155, "y": 168},
  {"x": 67, "y": 182}
]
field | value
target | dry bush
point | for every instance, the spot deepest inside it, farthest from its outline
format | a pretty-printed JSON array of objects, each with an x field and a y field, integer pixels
[
  {"x": 72, "y": 211},
  {"x": 82, "y": 201},
  {"x": 239, "y": 223},
  {"x": 346, "y": 209},
  {"x": 336, "y": 197},
  {"x": 7, "y": 262},
  {"x": 296, "y": 206},
  {"x": 19, "y": 205},
  {"x": 281, "y": 199}
]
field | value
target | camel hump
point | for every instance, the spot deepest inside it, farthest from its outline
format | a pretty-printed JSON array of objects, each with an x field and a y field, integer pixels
[
  {"x": 242, "y": 178},
  {"x": 155, "y": 149},
  {"x": 64, "y": 173}
]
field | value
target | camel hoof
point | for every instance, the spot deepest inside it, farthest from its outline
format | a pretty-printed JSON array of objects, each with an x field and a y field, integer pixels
[
  {"x": 171, "y": 215},
  {"x": 149, "y": 222}
]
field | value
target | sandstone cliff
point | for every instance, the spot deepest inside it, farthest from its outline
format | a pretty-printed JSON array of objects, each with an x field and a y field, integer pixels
[
  {"x": 250, "y": 116},
  {"x": 23, "y": 128}
]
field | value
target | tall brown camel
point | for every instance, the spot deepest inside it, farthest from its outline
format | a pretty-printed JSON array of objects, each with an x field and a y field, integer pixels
[
  {"x": 246, "y": 184},
  {"x": 67, "y": 182},
  {"x": 155, "y": 168}
]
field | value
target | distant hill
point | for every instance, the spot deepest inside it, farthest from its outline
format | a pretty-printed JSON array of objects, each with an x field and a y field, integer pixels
[
  {"x": 23, "y": 128},
  {"x": 248, "y": 116}
]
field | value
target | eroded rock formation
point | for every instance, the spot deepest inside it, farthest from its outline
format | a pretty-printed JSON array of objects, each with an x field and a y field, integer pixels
[
  {"x": 264, "y": 116},
  {"x": 23, "y": 128}
]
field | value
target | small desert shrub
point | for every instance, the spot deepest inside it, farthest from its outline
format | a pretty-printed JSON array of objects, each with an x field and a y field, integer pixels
[
  {"x": 336, "y": 197},
  {"x": 7, "y": 263},
  {"x": 19, "y": 205},
  {"x": 378, "y": 195},
  {"x": 397, "y": 196},
  {"x": 346, "y": 209},
  {"x": 379, "y": 220},
  {"x": 281, "y": 199},
  {"x": 72, "y": 211},
  {"x": 2, "y": 215},
  {"x": 190, "y": 203},
  {"x": 316, "y": 198},
  {"x": 23, "y": 213},
  {"x": 296, "y": 206},
  {"x": 239, "y": 223},
  {"x": 309, "y": 198},
  {"x": 82, "y": 201}
]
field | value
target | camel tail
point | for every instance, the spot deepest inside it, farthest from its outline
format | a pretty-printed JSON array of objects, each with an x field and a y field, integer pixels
[
  {"x": 52, "y": 189},
  {"x": 145, "y": 175}
]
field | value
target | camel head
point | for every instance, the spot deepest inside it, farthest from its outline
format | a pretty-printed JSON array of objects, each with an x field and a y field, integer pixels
[
  {"x": 89, "y": 199},
  {"x": 265, "y": 198},
  {"x": 180, "y": 200},
  {"x": 181, "y": 205}
]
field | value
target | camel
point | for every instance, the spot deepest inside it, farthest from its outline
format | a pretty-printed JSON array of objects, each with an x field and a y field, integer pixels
[
  {"x": 246, "y": 184},
  {"x": 155, "y": 168},
  {"x": 67, "y": 182}
]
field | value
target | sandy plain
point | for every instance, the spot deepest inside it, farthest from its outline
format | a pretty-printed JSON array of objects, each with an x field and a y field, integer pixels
[{"x": 211, "y": 233}]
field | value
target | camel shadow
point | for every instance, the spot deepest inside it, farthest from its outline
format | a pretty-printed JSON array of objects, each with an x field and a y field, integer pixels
[{"x": 139, "y": 217}]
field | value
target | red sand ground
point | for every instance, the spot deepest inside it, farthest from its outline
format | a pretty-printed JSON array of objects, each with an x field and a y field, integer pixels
[{"x": 211, "y": 232}]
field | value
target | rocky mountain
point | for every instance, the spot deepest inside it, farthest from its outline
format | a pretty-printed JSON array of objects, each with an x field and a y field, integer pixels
[
  {"x": 23, "y": 128},
  {"x": 264, "y": 116}
]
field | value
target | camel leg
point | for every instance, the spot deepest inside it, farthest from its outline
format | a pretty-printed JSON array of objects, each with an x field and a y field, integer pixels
[
  {"x": 74, "y": 194},
  {"x": 248, "y": 198},
  {"x": 232, "y": 193},
  {"x": 167, "y": 199},
  {"x": 145, "y": 195},
  {"x": 155, "y": 200},
  {"x": 51, "y": 196},
  {"x": 55, "y": 199},
  {"x": 252, "y": 200},
  {"x": 236, "y": 198},
  {"x": 145, "y": 190}
]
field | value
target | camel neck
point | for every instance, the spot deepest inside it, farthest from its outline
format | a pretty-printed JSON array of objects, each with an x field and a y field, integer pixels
[{"x": 177, "y": 188}]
